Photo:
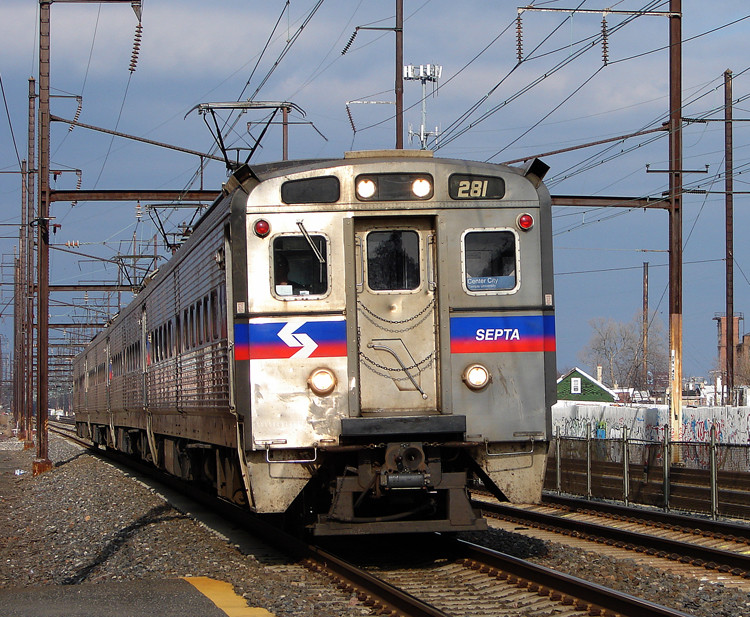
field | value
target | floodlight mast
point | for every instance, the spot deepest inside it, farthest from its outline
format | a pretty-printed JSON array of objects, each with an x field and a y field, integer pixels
[{"x": 423, "y": 73}]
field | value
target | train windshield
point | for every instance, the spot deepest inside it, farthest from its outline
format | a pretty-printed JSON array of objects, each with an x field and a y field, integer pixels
[
  {"x": 393, "y": 260},
  {"x": 298, "y": 270},
  {"x": 490, "y": 260}
]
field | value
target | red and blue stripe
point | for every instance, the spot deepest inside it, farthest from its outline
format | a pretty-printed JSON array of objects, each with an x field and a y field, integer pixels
[
  {"x": 503, "y": 334},
  {"x": 261, "y": 341}
]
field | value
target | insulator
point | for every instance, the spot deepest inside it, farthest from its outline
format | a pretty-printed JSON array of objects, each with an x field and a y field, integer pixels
[
  {"x": 351, "y": 120},
  {"x": 138, "y": 211},
  {"x": 351, "y": 40},
  {"x": 519, "y": 38},
  {"x": 136, "y": 47},
  {"x": 605, "y": 50},
  {"x": 78, "y": 186},
  {"x": 78, "y": 113}
]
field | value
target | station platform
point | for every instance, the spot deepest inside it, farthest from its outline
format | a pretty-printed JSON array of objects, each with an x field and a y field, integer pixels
[{"x": 179, "y": 597}]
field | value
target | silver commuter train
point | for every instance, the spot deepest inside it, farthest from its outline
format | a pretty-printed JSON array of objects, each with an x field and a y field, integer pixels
[{"x": 350, "y": 342}]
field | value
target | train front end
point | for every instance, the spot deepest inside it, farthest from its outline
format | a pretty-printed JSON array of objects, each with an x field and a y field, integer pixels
[{"x": 393, "y": 340}]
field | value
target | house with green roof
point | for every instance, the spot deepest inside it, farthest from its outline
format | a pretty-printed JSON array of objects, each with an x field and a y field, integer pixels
[{"x": 577, "y": 385}]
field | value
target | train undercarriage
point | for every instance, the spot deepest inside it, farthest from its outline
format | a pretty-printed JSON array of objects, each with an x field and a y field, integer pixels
[{"x": 395, "y": 487}]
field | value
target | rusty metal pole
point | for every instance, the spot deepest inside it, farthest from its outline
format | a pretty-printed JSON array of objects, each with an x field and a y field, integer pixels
[
  {"x": 285, "y": 133},
  {"x": 399, "y": 74},
  {"x": 42, "y": 462},
  {"x": 28, "y": 375},
  {"x": 644, "y": 328},
  {"x": 729, "y": 204},
  {"x": 21, "y": 326},
  {"x": 675, "y": 214},
  {"x": 17, "y": 343}
]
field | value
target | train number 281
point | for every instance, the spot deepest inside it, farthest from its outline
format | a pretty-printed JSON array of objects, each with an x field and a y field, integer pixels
[{"x": 472, "y": 188}]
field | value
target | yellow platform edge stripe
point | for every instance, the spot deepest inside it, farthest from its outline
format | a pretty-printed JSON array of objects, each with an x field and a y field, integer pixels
[{"x": 223, "y": 596}]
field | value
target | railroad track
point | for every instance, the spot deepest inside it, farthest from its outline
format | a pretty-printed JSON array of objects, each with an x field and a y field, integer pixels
[
  {"x": 460, "y": 579},
  {"x": 729, "y": 531},
  {"x": 704, "y": 545},
  {"x": 67, "y": 430}
]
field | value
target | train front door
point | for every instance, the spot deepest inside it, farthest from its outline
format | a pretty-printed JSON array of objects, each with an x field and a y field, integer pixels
[{"x": 396, "y": 315}]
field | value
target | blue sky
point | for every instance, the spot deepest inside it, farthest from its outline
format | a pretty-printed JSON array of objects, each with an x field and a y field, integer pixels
[{"x": 560, "y": 95}]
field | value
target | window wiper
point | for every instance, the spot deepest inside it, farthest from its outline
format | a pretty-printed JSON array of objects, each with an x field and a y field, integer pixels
[{"x": 314, "y": 248}]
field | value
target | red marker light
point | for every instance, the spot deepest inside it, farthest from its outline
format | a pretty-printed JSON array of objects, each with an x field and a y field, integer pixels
[
  {"x": 261, "y": 228},
  {"x": 525, "y": 221}
]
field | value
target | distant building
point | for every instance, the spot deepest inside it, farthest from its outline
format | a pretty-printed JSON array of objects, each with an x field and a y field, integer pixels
[
  {"x": 721, "y": 320},
  {"x": 577, "y": 385}
]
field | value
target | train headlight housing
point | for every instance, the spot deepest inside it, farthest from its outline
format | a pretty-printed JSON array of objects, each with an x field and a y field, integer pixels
[
  {"x": 421, "y": 187},
  {"x": 366, "y": 188},
  {"x": 322, "y": 381},
  {"x": 476, "y": 377}
]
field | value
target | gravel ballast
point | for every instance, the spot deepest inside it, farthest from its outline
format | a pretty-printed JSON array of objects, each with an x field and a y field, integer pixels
[{"x": 87, "y": 521}]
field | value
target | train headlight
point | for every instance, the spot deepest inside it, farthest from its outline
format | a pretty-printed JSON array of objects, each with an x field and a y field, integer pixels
[
  {"x": 476, "y": 376},
  {"x": 322, "y": 381},
  {"x": 421, "y": 187},
  {"x": 366, "y": 188}
]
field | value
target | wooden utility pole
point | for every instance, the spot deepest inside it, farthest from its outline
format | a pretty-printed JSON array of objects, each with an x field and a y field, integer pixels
[
  {"x": 729, "y": 203},
  {"x": 675, "y": 216}
]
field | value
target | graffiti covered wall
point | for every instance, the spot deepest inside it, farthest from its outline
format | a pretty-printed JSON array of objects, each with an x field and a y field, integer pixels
[{"x": 648, "y": 422}]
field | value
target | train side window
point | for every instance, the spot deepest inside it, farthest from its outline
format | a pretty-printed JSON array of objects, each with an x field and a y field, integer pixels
[
  {"x": 490, "y": 261},
  {"x": 393, "y": 260},
  {"x": 299, "y": 270},
  {"x": 198, "y": 324},
  {"x": 214, "y": 315},
  {"x": 206, "y": 321},
  {"x": 155, "y": 345},
  {"x": 191, "y": 326},
  {"x": 223, "y": 312}
]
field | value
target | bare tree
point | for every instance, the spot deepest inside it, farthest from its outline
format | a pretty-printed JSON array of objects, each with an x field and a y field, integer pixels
[{"x": 618, "y": 348}]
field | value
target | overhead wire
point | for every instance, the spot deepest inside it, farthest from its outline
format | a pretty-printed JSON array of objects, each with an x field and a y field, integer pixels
[
  {"x": 85, "y": 76},
  {"x": 455, "y": 130},
  {"x": 10, "y": 123},
  {"x": 467, "y": 113},
  {"x": 588, "y": 163},
  {"x": 229, "y": 121},
  {"x": 548, "y": 114}
]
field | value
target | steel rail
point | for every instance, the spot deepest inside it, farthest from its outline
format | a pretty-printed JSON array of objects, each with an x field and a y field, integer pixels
[
  {"x": 578, "y": 590},
  {"x": 738, "y": 563},
  {"x": 683, "y": 521}
]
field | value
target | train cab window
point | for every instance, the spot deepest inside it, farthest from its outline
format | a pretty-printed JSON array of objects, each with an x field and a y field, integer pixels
[
  {"x": 489, "y": 261},
  {"x": 323, "y": 190},
  {"x": 393, "y": 260},
  {"x": 300, "y": 266}
]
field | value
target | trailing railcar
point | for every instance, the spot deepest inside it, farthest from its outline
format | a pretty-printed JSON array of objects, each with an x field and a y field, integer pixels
[{"x": 347, "y": 341}]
